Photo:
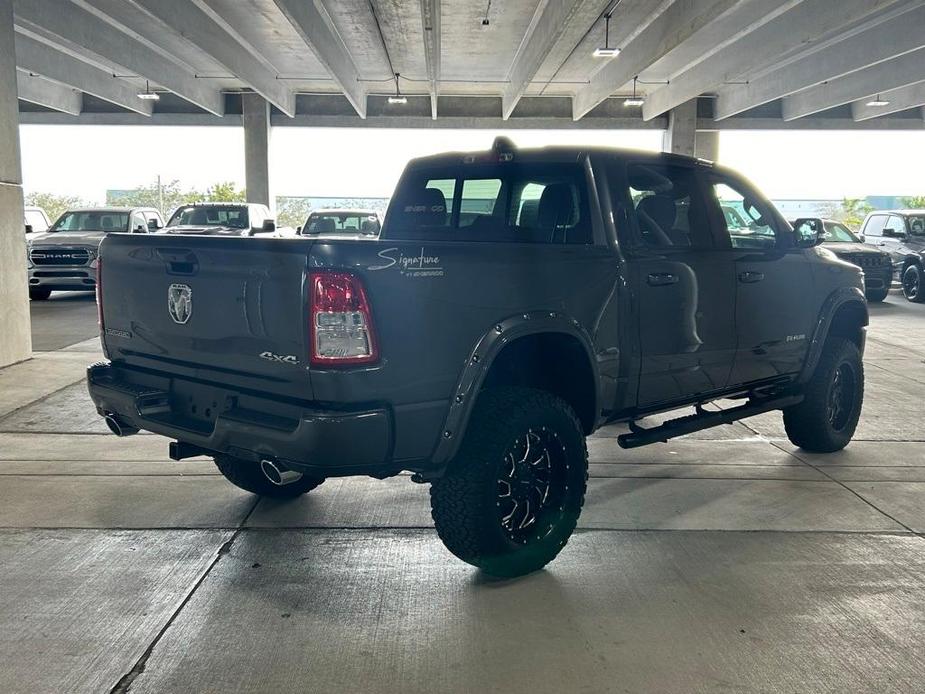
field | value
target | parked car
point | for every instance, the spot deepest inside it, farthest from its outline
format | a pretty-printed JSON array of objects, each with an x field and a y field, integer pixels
[
  {"x": 901, "y": 233},
  {"x": 223, "y": 219},
  {"x": 515, "y": 301},
  {"x": 876, "y": 264},
  {"x": 65, "y": 257},
  {"x": 342, "y": 223},
  {"x": 35, "y": 220}
]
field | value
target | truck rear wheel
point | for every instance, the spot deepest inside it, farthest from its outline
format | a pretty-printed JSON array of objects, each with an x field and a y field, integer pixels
[
  {"x": 826, "y": 419},
  {"x": 511, "y": 498},
  {"x": 248, "y": 476}
]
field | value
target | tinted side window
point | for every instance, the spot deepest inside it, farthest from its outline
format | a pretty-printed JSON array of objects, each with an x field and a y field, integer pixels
[
  {"x": 139, "y": 223},
  {"x": 896, "y": 225},
  {"x": 748, "y": 221},
  {"x": 875, "y": 224},
  {"x": 668, "y": 207},
  {"x": 531, "y": 203}
]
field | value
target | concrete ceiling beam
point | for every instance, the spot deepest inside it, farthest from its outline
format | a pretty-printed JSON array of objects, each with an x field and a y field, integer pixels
[
  {"x": 793, "y": 24},
  {"x": 899, "y": 72},
  {"x": 38, "y": 90},
  {"x": 64, "y": 24},
  {"x": 314, "y": 25},
  {"x": 39, "y": 58},
  {"x": 882, "y": 38}
]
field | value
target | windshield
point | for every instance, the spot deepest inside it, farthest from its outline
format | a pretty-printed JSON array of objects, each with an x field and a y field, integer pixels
[
  {"x": 838, "y": 233},
  {"x": 210, "y": 216},
  {"x": 349, "y": 223},
  {"x": 92, "y": 220}
]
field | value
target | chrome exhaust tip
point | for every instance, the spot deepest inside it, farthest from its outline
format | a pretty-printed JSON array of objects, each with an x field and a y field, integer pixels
[
  {"x": 118, "y": 427},
  {"x": 279, "y": 474}
]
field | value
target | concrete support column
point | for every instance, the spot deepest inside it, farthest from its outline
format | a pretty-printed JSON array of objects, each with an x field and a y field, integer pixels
[
  {"x": 15, "y": 325},
  {"x": 706, "y": 145},
  {"x": 257, "y": 148},
  {"x": 681, "y": 135}
]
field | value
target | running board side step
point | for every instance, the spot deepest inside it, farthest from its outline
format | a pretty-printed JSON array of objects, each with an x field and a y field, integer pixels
[{"x": 702, "y": 419}]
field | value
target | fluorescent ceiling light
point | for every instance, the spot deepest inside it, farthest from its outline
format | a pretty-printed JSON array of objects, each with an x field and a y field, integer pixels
[
  {"x": 398, "y": 99},
  {"x": 878, "y": 102},
  {"x": 147, "y": 94},
  {"x": 606, "y": 51},
  {"x": 634, "y": 101}
]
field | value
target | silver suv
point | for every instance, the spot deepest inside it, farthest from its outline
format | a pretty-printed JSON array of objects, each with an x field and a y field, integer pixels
[{"x": 65, "y": 257}]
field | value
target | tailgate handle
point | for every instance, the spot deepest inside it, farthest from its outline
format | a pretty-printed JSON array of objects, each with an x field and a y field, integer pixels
[{"x": 179, "y": 261}]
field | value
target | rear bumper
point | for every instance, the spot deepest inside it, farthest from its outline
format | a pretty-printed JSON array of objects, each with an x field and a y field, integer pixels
[{"x": 316, "y": 441}]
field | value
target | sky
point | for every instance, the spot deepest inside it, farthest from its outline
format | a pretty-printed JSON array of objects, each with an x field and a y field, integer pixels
[{"x": 85, "y": 161}]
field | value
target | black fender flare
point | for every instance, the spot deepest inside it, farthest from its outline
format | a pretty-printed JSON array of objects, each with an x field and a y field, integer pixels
[
  {"x": 834, "y": 301},
  {"x": 483, "y": 355}
]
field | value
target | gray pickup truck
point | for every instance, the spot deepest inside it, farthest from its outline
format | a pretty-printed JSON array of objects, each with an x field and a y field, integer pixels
[{"x": 515, "y": 301}]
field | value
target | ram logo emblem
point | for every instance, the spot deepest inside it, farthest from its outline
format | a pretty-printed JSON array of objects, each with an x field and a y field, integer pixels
[{"x": 180, "y": 303}]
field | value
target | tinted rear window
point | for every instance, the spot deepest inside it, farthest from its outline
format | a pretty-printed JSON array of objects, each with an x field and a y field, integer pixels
[
  {"x": 232, "y": 216},
  {"x": 531, "y": 203}
]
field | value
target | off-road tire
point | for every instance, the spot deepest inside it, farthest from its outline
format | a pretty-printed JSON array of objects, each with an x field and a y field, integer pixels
[
  {"x": 466, "y": 503},
  {"x": 913, "y": 283},
  {"x": 875, "y": 296},
  {"x": 39, "y": 294},
  {"x": 814, "y": 425},
  {"x": 247, "y": 475}
]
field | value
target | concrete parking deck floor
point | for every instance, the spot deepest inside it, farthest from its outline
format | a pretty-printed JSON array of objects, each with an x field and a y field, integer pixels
[{"x": 724, "y": 561}]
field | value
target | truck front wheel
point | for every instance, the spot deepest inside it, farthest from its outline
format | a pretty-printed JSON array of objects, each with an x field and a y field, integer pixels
[
  {"x": 826, "y": 419},
  {"x": 511, "y": 498},
  {"x": 248, "y": 476}
]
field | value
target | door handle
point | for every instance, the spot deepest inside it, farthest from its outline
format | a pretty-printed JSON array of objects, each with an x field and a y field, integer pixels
[
  {"x": 660, "y": 279},
  {"x": 749, "y": 276}
]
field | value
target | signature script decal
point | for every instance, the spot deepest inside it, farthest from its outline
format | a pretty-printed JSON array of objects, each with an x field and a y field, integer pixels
[{"x": 418, "y": 265}]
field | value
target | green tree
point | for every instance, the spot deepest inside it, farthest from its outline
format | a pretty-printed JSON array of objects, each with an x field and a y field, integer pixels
[
  {"x": 225, "y": 191},
  {"x": 292, "y": 212},
  {"x": 166, "y": 198},
  {"x": 855, "y": 210},
  {"x": 916, "y": 202},
  {"x": 54, "y": 205}
]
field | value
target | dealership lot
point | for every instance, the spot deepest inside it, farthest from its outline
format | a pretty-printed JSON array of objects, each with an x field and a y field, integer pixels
[{"x": 727, "y": 559}]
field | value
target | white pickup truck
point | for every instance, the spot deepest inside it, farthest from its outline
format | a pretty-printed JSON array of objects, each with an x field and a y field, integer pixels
[{"x": 64, "y": 258}]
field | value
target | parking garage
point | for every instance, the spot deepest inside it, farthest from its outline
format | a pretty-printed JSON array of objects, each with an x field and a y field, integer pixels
[{"x": 724, "y": 559}]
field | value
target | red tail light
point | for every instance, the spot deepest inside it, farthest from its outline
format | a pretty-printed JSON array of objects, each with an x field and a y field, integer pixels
[
  {"x": 341, "y": 323},
  {"x": 99, "y": 293}
]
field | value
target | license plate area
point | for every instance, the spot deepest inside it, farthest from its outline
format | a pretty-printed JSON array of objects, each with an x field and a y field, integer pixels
[{"x": 197, "y": 406}]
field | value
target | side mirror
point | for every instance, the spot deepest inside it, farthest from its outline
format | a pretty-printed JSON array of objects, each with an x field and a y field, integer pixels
[
  {"x": 268, "y": 225},
  {"x": 153, "y": 225},
  {"x": 298, "y": 229},
  {"x": 807, "y": 237},
  {"x": 861, "y": 236},
  {"x": 28, "y": 228}
]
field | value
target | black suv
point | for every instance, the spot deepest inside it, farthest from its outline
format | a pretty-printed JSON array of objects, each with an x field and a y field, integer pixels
[
  {"x": 901, "y": 233},
  {"x": 514, "y": 302},
  {"x": 836, "y": 237}
]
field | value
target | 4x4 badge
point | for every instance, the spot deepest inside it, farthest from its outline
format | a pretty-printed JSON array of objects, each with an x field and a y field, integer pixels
[{"x": 180, "y": 302}]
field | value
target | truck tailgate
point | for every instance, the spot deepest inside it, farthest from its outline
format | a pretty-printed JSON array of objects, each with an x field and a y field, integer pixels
[{"x": 229, "y": 310}]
